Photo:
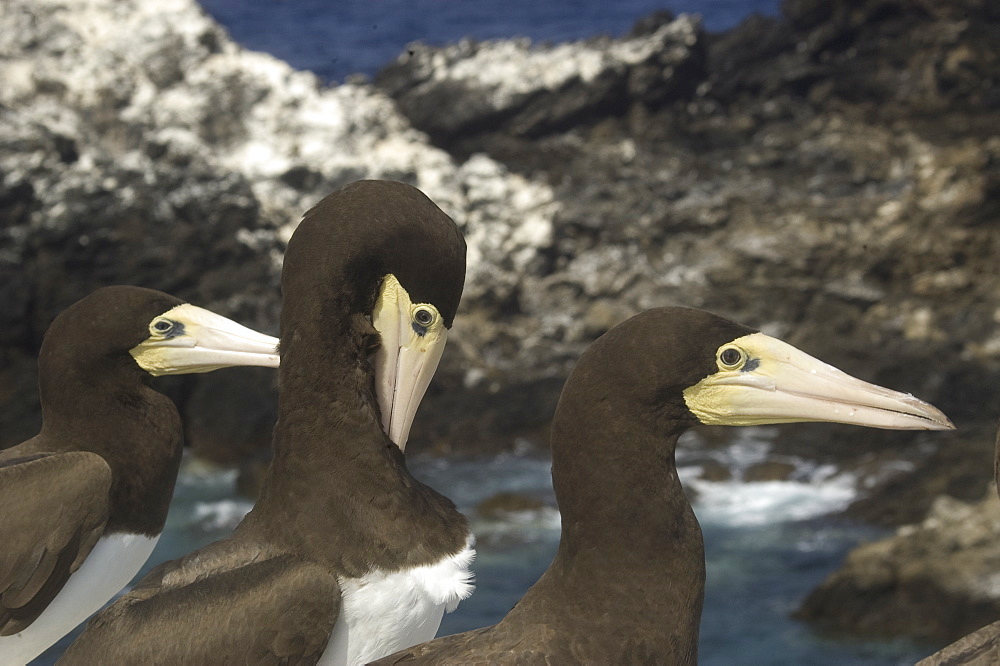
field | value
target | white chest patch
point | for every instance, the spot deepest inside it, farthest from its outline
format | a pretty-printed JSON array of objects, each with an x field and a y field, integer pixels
[
  {"x": 381, "y": 612},
  {"x": 113, "y": 562}
]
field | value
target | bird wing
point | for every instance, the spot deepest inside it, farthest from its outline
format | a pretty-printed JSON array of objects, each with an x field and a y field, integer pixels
[
  {"x": 229, "y": 603},
  {"x": 53, "y": 509},
  {"x": 438, "y": 650},
  {"x": 479, "y": 646}
]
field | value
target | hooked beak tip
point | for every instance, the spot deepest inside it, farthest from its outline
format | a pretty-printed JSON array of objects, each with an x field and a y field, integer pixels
[{"x": 944, "y": 424}]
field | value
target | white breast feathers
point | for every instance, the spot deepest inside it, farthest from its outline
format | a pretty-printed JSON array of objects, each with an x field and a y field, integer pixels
[{"x": 382, "y": 612}]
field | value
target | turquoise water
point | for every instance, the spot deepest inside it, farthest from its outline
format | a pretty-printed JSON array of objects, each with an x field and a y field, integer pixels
[{"x": 766, "y": 547}]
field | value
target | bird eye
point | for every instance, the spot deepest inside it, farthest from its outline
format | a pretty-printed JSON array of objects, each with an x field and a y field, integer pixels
[
  {"x": 162, "y": 325},
  {"x": 423, "y": 316},
  {"x": 731, "y": 357}
]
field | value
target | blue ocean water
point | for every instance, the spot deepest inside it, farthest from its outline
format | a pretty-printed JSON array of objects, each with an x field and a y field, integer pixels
[
  {"x": 337, "y": 39},
  {"x": 767, "y": 545}
]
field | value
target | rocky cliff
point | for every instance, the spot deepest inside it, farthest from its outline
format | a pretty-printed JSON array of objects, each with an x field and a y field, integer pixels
[
  {"x": 830, "y": 176},
  {"x": 139, "y": 144},
  {"x": 936, "y": 580}
]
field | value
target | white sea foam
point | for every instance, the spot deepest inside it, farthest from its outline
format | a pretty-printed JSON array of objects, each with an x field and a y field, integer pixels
[
  {"x": 220, "y": 515},
  {"x": 543, "y": 518},
  {"x": 736, "y": 503},
  {"x": 812, "y": 490}
]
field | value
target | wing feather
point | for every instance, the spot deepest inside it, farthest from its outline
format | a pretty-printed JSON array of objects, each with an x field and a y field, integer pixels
[
  {"x": 226, "y": 604},
  {"x": 53, "y": 509}
]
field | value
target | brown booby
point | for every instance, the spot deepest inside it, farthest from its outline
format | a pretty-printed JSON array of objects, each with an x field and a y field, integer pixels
[
  {"x": 83, "y": 502},
  {"x": 627, "y": 581},
  {"x": 981, "y": 647},
  {"x": 345, "y": 557}
]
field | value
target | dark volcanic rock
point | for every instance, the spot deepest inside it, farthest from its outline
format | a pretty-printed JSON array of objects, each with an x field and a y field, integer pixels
[
  {"x": 712, "y": 470},
  {"x": 937, "y": 580},
  {"x": 535, "y": 90},
  {"x": 174, "y": 229},
  {"x": 502, "y": 505},
  {"x": 956, "y": 469},
  {"x": 139, "y": 145},
  {"x": 231, "y": 414},
  {"x": 769, "y": 470},
  {"x": 816, "y": 175}
]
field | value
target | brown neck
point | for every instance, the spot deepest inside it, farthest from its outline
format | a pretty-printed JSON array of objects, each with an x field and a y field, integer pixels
[
  {"x": 338, "y": 490},
  {"x": 629, "y": 535},
  {"x": 111, "y": 412}
]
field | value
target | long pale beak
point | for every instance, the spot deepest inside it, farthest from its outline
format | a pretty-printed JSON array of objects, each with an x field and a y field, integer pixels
[
  {"x": 780, "y": 384},
  {"x": 202, "y": 341},
  {"x": 406, "y": 360}
]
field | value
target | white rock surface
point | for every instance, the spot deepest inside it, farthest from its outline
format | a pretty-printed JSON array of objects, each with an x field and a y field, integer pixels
[
  {"x": 509, "y": 68},
  {"x": 123, "y": 77}
]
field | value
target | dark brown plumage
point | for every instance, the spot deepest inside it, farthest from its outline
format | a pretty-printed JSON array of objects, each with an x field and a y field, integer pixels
[
  {"x": 627, "y": 583},
  {"x": 83, "y": 502},
  {"x": 337, "y": 500},
  {"x": 65, "y": 500},
  {"x": 105, "y": 460}
]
